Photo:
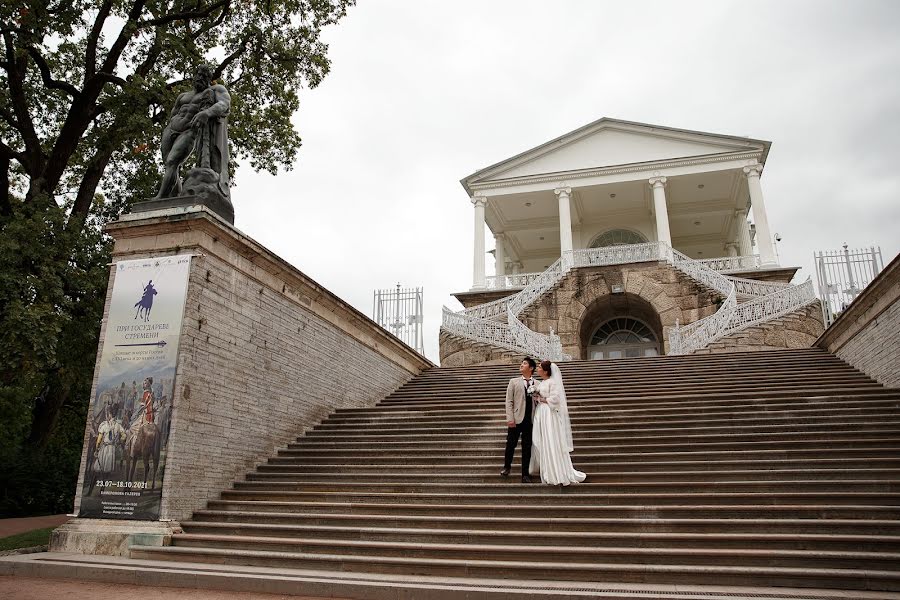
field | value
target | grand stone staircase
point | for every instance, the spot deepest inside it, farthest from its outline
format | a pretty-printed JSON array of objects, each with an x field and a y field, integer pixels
[{"x": 777, "y": 468}]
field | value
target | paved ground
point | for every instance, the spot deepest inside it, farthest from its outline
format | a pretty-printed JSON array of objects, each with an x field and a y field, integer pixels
[
  {"x": 25, "y": 588},
  {"x": 10, "y": 527}
]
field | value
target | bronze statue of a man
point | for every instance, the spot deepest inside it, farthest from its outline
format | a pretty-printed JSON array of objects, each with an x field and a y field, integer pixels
[{"x": 199, "y": 123}]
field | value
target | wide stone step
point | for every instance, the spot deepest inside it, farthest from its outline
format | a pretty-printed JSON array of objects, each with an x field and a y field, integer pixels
[
  {"x": 599, "y": 476},
  {"x": 653, "y": 567},
  {"x": 814, "y": 373},
  {"x": 883, "y": 450},
  {"x": 497, "y": 421},
  {"x": 199, "y": 534},
  {"x": 636, "y": 507},
  {"x": 495, "y": 430},
  {"x": 578, "y": 415},
  {"x": 608, "y": 446},
  {"x": 800, "y": 379},
  {"x": 597, "y": 439},
  {"x": 667, "y": 403},
  {"x": 662, "y": 392},
  {"x": 526, "y": 525},
  {"x": 490, "y": 468},
  {"x": 872, "y": 493},
  {"x": 670, "y": 486}
]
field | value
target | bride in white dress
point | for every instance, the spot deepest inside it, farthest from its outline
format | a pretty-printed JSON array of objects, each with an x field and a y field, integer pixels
[{"x": 552, "y": 430}]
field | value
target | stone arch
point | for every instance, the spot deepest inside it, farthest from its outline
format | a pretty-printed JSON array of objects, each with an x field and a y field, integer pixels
[
  {"x": 656, "y": 285},
  {"x": 617, "y": 305}
]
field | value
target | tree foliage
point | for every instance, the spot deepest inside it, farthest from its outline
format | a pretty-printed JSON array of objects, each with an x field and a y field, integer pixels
[{"x": 85, "y": 88}]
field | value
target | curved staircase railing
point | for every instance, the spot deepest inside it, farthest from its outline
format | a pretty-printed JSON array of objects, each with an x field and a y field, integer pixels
[{"x": 486, "y": 323}]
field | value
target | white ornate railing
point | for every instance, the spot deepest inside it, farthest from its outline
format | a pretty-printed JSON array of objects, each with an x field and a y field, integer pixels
[
  {"x": 752, "y": 287},
  {"x": 508, "y": 282},
  {"x": 485, "y": 323},
  {"x": 491, "y": 310},
  {"x": 732, "y": 263}
]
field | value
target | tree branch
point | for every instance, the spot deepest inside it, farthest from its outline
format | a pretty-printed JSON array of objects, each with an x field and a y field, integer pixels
[
  {"x": 109, "y": 65},
  {"x": 34, "y": 154},
  {"x": 111, "y": 79},
  {"x": 213, "y": 24},
  {"x": 184, "y": 16},
  {"x": 47, "y": 77},
  {"x": 90, "y": 53},
  {"x": 5, "y": 206},
  {"x": 232, "y": 57}
]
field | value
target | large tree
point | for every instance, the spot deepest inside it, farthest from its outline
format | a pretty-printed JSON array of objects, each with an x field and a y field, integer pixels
[{"x": 85, "y": 87}]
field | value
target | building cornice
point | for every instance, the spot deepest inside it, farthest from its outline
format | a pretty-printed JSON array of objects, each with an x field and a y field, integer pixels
[{"x": 571, "y": 176}]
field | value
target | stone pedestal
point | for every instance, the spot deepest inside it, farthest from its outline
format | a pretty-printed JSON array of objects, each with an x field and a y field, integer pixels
[
  {"x": 265, "y": 353},
  {"x": 111, "y": 537}
]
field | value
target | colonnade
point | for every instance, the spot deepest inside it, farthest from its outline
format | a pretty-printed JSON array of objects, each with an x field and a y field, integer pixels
[{"x": 740, "y": 246}]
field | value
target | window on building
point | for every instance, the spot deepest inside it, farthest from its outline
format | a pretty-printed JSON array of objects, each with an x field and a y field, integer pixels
[
  {"x": 617, "y": 237},
  {"x": 623, "y": 337}
]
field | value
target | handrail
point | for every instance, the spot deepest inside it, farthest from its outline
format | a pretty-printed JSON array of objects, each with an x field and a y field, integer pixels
[{"x": 484, "y": 323}]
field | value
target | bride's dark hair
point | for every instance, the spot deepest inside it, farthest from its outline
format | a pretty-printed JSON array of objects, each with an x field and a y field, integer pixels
[{"x": 546, "y": 366}]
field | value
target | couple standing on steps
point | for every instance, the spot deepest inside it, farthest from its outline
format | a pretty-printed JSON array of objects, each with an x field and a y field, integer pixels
[{"x": 537, "y": 412}]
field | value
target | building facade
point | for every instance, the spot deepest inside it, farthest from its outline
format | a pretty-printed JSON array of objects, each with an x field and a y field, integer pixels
[{"x": 621, "y": 239}]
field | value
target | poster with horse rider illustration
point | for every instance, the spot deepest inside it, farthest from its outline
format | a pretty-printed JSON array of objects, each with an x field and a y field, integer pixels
[{"x": 130, "y": 413}]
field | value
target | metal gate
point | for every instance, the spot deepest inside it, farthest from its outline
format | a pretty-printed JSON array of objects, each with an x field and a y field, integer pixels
[
  {"x": 400, "y": 311},
  {"x": 843, "y": 274}
]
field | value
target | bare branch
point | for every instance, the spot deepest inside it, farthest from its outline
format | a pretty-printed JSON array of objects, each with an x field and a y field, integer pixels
[
  {"x": 111, "y": 79},
  {"x": 112, "y": 58},
  {"x": 90, "y": 54},
  {"x": 34, "y": 154},
  {"x": 47, "y": 77}
]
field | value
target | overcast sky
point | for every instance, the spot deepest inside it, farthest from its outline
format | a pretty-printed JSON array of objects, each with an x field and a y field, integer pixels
[{"x": 423, "y": 93}]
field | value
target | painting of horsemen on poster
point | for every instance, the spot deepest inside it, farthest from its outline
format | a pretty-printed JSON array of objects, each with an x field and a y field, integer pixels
[{"x": 131, "y": 411}]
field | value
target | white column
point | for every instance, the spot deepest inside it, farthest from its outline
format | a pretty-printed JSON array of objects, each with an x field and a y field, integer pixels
[
  {"x": 745, "y": 246},
  {"x": 731, "y": 249},
  {"x": 500, "y": 254},
  {"x": 663, "y": 234},
  {"x": 478, "y": 266},
  {"x": 565, "y": 220},
  {"x": 763, "y": 234}
]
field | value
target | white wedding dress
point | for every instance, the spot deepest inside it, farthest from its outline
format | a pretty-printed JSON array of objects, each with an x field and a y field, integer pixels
[{"x": 552, "y": 435}]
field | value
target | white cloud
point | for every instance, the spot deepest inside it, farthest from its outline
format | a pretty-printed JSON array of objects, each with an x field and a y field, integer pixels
[{"x": 422, "y": 94}]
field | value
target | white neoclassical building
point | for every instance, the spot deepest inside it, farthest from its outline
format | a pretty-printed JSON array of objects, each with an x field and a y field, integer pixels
[
  {"x": 614, "y": 182},
  {"x": 618, "y": 193}
]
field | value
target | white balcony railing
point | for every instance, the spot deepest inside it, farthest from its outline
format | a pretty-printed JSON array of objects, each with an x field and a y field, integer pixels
[
  {"x": 508, "y": 282},
  {"x": 731, "y": 264}
]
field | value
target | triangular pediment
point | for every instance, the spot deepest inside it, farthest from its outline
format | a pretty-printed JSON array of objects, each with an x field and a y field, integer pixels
[{"x": 612, "y": 143}]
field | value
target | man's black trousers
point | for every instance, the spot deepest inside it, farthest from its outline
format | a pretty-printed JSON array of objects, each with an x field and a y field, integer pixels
[{"x": 522, "y": 430}]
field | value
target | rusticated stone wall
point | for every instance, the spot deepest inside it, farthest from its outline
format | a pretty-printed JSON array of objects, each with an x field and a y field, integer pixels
[{"x": 799, "y": 329}]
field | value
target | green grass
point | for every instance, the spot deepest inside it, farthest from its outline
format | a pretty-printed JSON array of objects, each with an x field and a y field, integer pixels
[{"x": 36, "y": 537}]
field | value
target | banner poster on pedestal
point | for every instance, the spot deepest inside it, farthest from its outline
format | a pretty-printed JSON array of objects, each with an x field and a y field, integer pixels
[{"x": 131, "y": 411}]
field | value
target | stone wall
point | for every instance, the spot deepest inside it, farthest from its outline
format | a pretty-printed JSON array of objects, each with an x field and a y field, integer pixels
[
  {"x": 867, "y": 333},
  {"x": 459, "y": 352},
  {"x": 265, "y": 354},
  {"x": 570, "y": 309},
  {"x": 798, "y": 329}
]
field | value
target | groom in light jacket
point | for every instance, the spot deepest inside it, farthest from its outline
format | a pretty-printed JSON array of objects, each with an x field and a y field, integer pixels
[{"x": 519, "y": 411}]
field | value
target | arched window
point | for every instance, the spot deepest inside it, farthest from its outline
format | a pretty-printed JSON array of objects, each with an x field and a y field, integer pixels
[
  {"x": 623, "y": 337},
  {"x": 617, "y": 237}
]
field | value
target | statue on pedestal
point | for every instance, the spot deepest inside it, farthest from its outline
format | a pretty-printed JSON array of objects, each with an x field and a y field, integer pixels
[{"x": 198, "y": 124}]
